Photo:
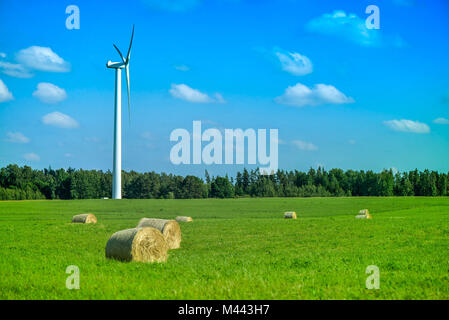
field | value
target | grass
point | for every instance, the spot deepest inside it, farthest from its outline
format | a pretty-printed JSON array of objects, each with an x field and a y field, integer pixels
[{"x": 234, "y": 249}]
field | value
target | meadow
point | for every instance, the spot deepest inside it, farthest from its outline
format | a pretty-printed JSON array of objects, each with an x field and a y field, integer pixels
[{"x": 234, "y": 249}]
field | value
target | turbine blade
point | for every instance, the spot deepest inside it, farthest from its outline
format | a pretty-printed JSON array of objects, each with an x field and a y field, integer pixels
[
  {"x": 121, "y": 56},
  {"x": 130, "y": 44},
  {"x": 127, "y": 86}
]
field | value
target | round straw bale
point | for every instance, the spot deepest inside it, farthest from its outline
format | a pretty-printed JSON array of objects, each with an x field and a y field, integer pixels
[
  {"x": 184, "y": 219},
  {"x": 290, "y": 215},
  {"x": 364, "y": 214},
  {"x": 169, "y": 228},
  {"x": 84, "y": 218},
  {"x": 143, "y": 244}
]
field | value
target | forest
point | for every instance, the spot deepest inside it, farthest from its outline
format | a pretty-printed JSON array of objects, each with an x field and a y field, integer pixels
[{"x": 22, "y": 183}]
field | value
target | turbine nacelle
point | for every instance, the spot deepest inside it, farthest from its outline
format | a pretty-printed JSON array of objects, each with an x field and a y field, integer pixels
[{"x": 115, "y": 65}]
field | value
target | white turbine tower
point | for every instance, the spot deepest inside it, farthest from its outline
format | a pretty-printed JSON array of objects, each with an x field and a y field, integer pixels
[{"x": 117, "y": 163}]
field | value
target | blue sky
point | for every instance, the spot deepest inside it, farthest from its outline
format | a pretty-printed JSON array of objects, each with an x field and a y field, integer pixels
[{"x": 339, "y": 94}]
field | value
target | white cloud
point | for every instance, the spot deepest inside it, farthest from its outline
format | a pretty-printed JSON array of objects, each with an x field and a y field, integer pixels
[
  {"x": 182, "y": 68},
  {"x": 407, "y": 126},
  {"x": 294, "y": 63},
  {"x": 279, "y": 141},
  {"x": 300, "y": 95},
  {"x": 42, "y": 58},
  {"x": 31, "y": 157},
  {"x": 33, "y": 58},
  {"x": 49, "y": 93},
  {"x": 219, "y": 98},
  {"x": 347, "y": 26},
  {"x": 5, "y": 94},
  {"x": 17, "y": 137},
  {"x": 15, "y": 70},
  {"x": 302, "y": 145},
  {"x": 184, "y": 92},
  {"x": 60, "y": 120},
  {"x": 441, "y": 121}
]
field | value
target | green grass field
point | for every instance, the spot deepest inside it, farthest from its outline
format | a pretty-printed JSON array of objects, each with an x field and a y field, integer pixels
[{"x": 235, "y": 249}]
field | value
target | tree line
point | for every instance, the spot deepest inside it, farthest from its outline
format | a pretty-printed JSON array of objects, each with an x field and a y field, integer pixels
[{"x": 20, "y": 183}]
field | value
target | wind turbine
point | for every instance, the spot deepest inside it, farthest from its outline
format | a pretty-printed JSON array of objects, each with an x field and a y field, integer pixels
[{"x": 117, "y": 162}]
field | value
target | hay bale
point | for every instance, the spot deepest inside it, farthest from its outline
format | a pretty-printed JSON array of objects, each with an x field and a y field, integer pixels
[
  {"x": 169, "y": 228},
  {"x": 143, "y": 244},
  {"x": 363, "y": 214},
  {"x": 84, "y": 218},
  {"x": 290, "y": 215},
  {"x": 184, "y": 219}
]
